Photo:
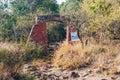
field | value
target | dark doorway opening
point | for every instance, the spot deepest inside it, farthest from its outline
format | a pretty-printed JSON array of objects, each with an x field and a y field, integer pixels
[{"x": 56, "y": 33}]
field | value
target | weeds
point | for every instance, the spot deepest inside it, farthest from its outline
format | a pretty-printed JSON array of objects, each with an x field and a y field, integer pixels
[
  {"x": 12, "y": 56},
  {"x": 73, "y": 56},
  {"x": 97, "y": 55}
]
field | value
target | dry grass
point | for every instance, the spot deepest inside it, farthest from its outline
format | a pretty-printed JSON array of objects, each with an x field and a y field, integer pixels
[
  {"x": 39, "y": 63},
  {"x": 101, "y": 56},
  {"x": 97, "y": 55},
  {"x": 13, "y": 55},
  {"x": 1, "y": 68},
  {"x": 73, "y": 56},
  {"x": 9, "y": 53},
  {"x": 12, "y": 47}
]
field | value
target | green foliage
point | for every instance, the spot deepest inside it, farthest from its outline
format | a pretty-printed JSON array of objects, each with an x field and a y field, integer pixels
[
  {"x": 9, "y": 58},
  {"x": 33, "y": 51},
  {"x": 14, "y": 56},
  {"x": 21, "y": 14},
  {"x": 21, "y": 7},
  {"x": 101, "y": 13},
  {"x": 97, "y": 14},
  {"x": 6, "y": 27},
  {"x": 70, "y": 6},
  {"x": 56, "y": 33},
  {"x": 4, "y": 5}
]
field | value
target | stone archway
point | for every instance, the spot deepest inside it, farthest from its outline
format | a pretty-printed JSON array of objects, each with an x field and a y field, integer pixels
[{"x": 38, "y": 32}]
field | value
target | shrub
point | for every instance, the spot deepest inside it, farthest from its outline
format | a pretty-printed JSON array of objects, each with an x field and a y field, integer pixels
[
  {"x": 73, "y": 56},
  {"x": 33, "y": 51},
  {"x": 12, "y": 56}
]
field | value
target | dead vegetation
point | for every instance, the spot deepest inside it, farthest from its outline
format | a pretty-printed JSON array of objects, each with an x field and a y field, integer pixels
[
  {"x": 106, "y": 57},
  {"x": 103, "y": 56},
  {"x": 13, "y": 56}
]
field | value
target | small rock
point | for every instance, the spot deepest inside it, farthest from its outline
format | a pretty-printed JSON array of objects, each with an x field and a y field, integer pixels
[
  {"x": 24, "y": 70},
  {"x": 114, "y": 78},
  {"x": 51, "y": 76},
  {"x": 65, "y": 77},
  {"x": 32, "y": 73},
  {"x": 25, "y": 66},
  {"x": 75, "y": 75},
  {"x": 43, "y": 77},
  {"x": 37, "y": 73},
  {"x": 7, "y": 76},
  {"x": 83, "y": 79},
  {"x": 85, "y": 74},
  {"x": 33, "y": 68},
  {"x": 61, "y": 78},
  {"x": 97, "y": 70},
  {"x": 29, "y": 66},
  {"x": 89, "y": 71},
  {"x": 118, "y": 69},
  {"x": 103, "y": 79}
]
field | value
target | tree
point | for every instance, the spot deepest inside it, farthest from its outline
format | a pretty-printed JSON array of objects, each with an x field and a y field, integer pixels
[
  {"x": 7, "y": 25},
  {"x": 70, "y": 6},
  {"x": 21, "y": 14},
  {"x": 22, "y": 7},
  {"x": 94, "y": 16},
  {"x": 102, "y": 13},
  {"x": 7, "y": 20}
]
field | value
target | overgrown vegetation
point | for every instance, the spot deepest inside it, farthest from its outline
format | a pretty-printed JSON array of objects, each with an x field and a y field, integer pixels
[
  {"x": 98, "y": 20},
  {"x": 56, "y": 32},
  {"x": 12, "y": 56},
  {"x": 96, "y": 17},
  {"x": 17, "y": 17},
  {"x": 96, "y": 55}
]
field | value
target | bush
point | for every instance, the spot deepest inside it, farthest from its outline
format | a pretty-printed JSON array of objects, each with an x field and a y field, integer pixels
[
  {"x": 10, "y": 56},
  {"x": 33, "y": 51},
  {"x": 13, "y": 56},
  {"x": 73, "y": 56}
]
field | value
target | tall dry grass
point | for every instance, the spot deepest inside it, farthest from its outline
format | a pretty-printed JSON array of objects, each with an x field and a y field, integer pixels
[
  {"x": 9, "y": 56},
  {"x": 9, "y": 46},
  {"x": 13, "y": 55},
  {"x": 97, "y": 55}
]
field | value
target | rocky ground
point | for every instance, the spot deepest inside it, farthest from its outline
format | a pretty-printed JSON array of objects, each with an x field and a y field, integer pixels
[{"x": 50, "y": 73}]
